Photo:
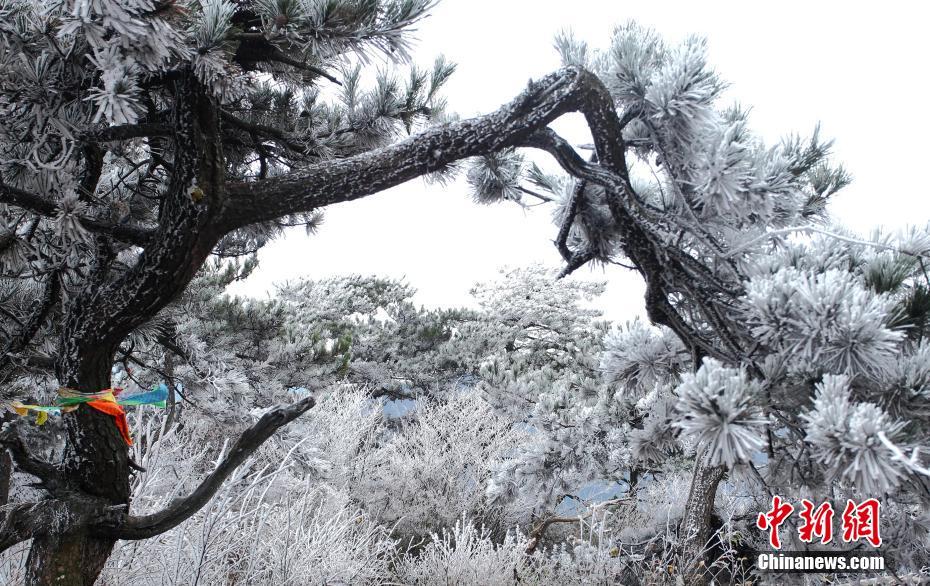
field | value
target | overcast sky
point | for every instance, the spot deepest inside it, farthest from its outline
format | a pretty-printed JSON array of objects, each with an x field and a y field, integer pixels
[{"x": 858, "y": 68}]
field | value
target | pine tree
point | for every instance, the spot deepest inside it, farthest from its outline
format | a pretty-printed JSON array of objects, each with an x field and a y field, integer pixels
[
  {"x": 141, "y": 138},
  {"x": 782, "y": 339}
]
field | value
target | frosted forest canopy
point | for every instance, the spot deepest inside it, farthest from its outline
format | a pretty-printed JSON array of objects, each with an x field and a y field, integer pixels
[{"x": 149, "y": 149}]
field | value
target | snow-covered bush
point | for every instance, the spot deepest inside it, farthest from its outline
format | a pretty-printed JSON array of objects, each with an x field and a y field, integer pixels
[
  {"x": 437, "y": 467},
  {"x": 271, "y": 523}
]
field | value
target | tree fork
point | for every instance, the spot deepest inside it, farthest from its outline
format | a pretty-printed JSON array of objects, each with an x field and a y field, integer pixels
[
  {"x": 200, "y": 208},
  {"x": 96, "y": 460}
]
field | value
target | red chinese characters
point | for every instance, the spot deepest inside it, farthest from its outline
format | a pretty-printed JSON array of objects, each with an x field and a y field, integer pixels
[
  {"x": 817, "y": 523},
  {"x": 861, "y": 522},
  {"x": 773, "y": 519}
]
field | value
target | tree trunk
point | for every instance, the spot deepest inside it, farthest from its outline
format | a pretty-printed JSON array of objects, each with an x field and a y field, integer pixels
[
  {"x": 6, "y": 472},
  {"x": 97, "y": 319},
  {"x": 695, "y": 531},
  {"x": 6, "y": 466},
  {"x": 96, "y": 461},
  {"x": 67, "y": 560}
]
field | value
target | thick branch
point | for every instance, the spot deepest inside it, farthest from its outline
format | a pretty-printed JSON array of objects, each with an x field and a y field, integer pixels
[
  {"x": 50, "y": 476},
  {"x": 181, "y": 509},
  {"x": 99, "y": 318},
  {"x": 93, "y": 167},
  {"x": 575, "y": 262},
  {"x": 39, "y": 361},
  {"x": 638, "y": 223},
  {"x": 22, "y": 521},
  {"x": 613, "y": 179},
  {"x": 561, "y": 240},
  {"x": 319, "y": 185},
  {"x": 19, "y": 522}
]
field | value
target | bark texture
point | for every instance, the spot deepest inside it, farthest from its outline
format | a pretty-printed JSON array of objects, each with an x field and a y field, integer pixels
[
  {"x": 696, "y": 531},
  {"x": 102, "y": 314}
]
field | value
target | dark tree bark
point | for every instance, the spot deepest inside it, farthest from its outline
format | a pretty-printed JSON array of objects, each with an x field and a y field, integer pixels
[
  {"x": 96, "y": 460},
  {"x": 695, "y": 532},
  {"x": 196, "y": 212},
  {"x": 6, "y": 472},
  {"x": 6, "y": 466}
]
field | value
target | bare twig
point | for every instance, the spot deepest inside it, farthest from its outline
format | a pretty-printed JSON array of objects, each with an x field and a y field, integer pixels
[{"x": 539, "y": 531}]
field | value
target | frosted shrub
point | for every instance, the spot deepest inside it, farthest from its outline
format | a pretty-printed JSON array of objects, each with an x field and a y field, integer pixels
[
  {"x": 264, "y": 527},
  {"x": 438, "y": 465},
  {"x": 465, "y": 554},
  {"x": 335, "y": 442}
]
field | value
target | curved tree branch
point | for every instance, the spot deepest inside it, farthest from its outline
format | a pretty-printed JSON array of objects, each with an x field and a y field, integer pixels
[
  {"x": 523, "y": 122},
  {"x": 51, "y": 478},
  {"x": 568, "y": 90},
  {"x": 639, "y": 226},
  {"x": 22, "y": 521},
  {"x": 181, "y": 509}
]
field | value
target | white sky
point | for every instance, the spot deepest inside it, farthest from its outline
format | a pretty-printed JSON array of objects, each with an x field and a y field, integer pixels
[{"x": 858, "y": 68}]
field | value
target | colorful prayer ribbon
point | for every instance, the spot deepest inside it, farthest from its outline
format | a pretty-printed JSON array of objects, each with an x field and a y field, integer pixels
[{"x": 109, "y": 401}]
